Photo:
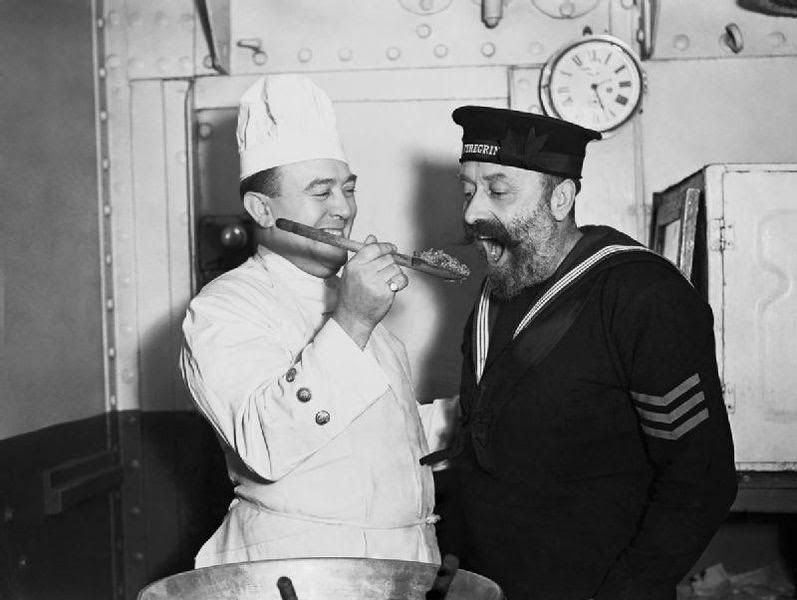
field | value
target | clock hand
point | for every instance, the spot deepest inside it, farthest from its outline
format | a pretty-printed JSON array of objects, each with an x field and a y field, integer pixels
[{"x": 594, "y": 87}]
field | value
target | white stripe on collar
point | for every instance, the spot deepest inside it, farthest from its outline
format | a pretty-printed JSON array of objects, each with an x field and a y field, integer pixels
[{"x": 483, "y": 310}]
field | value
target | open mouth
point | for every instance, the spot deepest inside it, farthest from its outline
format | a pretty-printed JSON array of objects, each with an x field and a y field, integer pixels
[
  {"x": 492, "y": 248},
  {"x": 338, "y": 232}
]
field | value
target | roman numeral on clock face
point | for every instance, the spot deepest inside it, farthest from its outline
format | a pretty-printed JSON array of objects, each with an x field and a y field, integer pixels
[
  {"x": 620, "y": 99},
  {"x": 625, "y": 84},
  {"x": 577, "y": 60}
]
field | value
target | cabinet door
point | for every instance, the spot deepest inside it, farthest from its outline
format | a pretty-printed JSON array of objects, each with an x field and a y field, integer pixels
[{"x": 758, "y": 314}]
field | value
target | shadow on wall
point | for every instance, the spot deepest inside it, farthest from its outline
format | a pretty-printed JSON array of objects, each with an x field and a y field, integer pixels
[
  {"x": 185, "y": 490},
  {"x": 437, "y": 214}
]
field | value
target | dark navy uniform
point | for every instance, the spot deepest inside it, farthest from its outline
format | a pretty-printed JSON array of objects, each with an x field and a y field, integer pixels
[{"x": 595, "y": 459}]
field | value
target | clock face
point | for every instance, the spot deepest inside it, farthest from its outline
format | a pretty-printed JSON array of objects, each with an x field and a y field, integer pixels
[{"x": 595, "y": 83}]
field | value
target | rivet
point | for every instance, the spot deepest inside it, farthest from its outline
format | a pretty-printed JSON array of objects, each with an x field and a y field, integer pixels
[
  {"x": 134, "y": 64},
  {"x": 100, "y": 22},
  {"x": 305, "y": 55},
  {"x": 109, "y": 304},
  {"x": 260, "y": 58},
  {"x": 186, "y": 64},
  {"x": 8, "y": 514},
  {"x": 22, "y": 562},
  {"x": 106, "y": 164},
  {"x": 162, "y": 64},
  {"x": 113, "y": 61},
  {"x": 132, "y": 420},
  {"x": 681, "y": 42},
  {"x": 776, "y": 39},
  {"x": 187, "y": 20},
  {"x": 207, "y": 62},
  {"x": 138, "y": 556},
  {"x": 135, "y": 20},
  {"x": 523, "y": 84},
  {"x": 113, "y": 18},
  {"x": 393, "y": 53},
  {"x": 126, "y": 281},
  {"x": 566, "y": 9},
  {"x": 112, "y": 400},
  {"x": 111, "y": 352},
  {"x": 488, "y": 49},
  {"x": 536, "y": 48},
  {"x": 135, "y": 463},
  {"x": 179, "y": 156},
  {"x": 423, "y": 30},
  {"x": 103, "y": 115},
  {"x": 127, "y": 376},
  {"x": 128, "y": 329},
  {"x": 746, "y": 478},
  {"x": 135, "y": 511},
  {"x": 106, "y": 209},
  {"x": 345, "y": 54},
  {"x": 101, "y": 72},
  {"x": 441, "y": 51},
  {"x": 161, "y": 19},
  {"x": 205, "y": 130}
]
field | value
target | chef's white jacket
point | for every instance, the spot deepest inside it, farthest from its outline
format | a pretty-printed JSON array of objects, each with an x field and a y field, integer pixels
[{"x": 322, "y": 439}]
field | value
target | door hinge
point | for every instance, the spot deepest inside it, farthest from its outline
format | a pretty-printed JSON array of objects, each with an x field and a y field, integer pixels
[
  {"x": 721, "y": 235},
  {"x": 729, "y": 395}
]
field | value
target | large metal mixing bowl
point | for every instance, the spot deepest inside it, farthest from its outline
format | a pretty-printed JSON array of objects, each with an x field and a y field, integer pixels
[{"x": 319, "y": 579}]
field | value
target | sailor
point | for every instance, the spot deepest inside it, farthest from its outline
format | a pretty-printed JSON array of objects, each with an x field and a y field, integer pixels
[
  {"x": 595, "y": 459},
  {"x": 308, "y": 392}
]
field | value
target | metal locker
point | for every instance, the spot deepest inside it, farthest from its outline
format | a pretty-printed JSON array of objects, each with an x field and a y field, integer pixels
[{"x": 750, "y": 281}]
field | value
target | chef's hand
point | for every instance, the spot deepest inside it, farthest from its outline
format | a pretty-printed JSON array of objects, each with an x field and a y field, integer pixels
[{"x": 369, "y": 284}]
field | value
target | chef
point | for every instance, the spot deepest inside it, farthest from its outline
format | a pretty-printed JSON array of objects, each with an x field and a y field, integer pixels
[{"x": 309, "y": 394}]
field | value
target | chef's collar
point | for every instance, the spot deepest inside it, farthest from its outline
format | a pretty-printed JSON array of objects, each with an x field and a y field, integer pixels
[{"x": 307, "y": 287}]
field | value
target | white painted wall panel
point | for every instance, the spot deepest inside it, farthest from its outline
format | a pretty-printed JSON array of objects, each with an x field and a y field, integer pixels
[
  {"x": 696, "y": 29},
  {"x": 717, "y": 111},
  {"x": 306, "y": 35}
]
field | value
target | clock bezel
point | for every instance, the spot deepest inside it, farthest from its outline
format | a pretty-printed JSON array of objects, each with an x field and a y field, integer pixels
[{"x": 553, "y": 61}]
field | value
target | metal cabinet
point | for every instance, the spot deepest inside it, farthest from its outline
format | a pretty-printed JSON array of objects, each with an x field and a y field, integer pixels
[{"x": 750, "y": 281}]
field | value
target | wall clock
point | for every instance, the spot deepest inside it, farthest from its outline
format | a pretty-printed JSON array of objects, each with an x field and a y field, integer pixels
[{"x": 596, "y": 82}]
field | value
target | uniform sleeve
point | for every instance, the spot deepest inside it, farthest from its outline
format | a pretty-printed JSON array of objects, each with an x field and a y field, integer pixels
[
  {"x": 666, "y": 343},
  {"x": 272, "y": 410},
  {"x": 440, "y": 419}
]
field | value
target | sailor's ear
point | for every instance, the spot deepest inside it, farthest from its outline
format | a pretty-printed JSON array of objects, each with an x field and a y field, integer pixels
[
  {"x": 563, "y": 196},
  {"x": 260, "y": 209}
]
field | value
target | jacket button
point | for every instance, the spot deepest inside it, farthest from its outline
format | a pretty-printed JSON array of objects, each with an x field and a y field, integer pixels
[
  {"x": 322, "y": 417},
  {"x": 304, "y": 395},
  {"x": 290, "y": 375}
]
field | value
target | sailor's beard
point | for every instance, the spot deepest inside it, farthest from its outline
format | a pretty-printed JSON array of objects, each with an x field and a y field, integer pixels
[{"x": 532, "y": 254}]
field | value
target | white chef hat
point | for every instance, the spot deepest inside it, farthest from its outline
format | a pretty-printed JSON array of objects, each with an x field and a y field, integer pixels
[{"x": 284, "y": 119}]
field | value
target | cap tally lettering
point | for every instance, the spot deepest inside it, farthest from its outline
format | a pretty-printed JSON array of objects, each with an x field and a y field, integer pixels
[{"x": 484, "y": 148}]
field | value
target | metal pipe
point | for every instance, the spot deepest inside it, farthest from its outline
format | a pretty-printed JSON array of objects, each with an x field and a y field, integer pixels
[{"x": 492, "y": 12}]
